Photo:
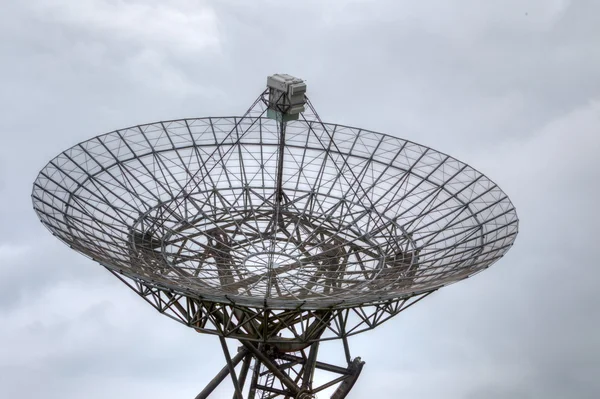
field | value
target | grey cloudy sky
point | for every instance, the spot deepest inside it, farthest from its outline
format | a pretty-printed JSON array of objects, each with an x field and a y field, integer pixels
[{"x": 511, "y": 87}]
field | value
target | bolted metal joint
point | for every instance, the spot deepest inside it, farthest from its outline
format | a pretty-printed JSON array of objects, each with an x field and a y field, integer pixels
[{"x": 305, "y": 394}]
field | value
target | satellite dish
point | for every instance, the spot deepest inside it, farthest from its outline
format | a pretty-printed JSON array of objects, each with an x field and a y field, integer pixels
[{"x": 275, "y": 228}]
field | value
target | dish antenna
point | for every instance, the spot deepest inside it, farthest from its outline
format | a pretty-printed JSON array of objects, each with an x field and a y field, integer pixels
[{"x": 276, "y": 229}]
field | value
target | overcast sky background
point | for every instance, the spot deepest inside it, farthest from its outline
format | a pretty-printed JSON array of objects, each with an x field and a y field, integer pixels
[{"x": 511, "y": 87}]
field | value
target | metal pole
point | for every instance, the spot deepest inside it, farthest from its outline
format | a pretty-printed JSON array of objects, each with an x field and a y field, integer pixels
[
  {"x": 254, "y": 382},
  {"x": 347, "y": 350},
  {"x": 279, "y": 194},
  {"x": 309, "y": 367},
  {"x": 234, "y": 379},
  {"x": 319, "y": 365},
  {"x": 244, "y": 372},
  {"x": 221, "y": 375}
]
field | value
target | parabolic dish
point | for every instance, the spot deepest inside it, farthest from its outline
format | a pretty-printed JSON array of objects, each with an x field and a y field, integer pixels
[{"x": 189, "y": 205}]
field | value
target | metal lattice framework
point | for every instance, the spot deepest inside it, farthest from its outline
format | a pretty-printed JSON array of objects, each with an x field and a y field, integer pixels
[{"x": 280, "y": 234}]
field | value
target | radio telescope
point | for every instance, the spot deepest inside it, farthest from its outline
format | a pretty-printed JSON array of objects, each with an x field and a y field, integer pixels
[{"x": 276, "y": 229}]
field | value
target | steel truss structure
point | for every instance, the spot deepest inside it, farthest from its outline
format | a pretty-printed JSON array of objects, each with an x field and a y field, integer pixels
[{"x": 277, "y": 232}]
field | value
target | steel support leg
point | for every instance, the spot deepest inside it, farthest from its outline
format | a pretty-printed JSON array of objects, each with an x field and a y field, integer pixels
[
  {"x": 236, "y": 385},
  {"x": 221, "y": 375}
]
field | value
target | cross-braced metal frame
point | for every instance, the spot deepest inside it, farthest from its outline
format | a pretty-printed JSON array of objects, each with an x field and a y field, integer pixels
[
  {"x": 277, "y": 233},
  {"x": 279, "y": 374}
]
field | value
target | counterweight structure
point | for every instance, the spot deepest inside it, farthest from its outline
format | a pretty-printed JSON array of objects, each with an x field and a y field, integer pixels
[{"x": 275, "y": 229}]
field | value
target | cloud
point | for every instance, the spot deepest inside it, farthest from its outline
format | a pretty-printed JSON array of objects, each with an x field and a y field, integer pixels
[
  {"x": 511, "y": 88},
  {"x": 180, "y": 26},
  {"x": 9, "y": 252}
]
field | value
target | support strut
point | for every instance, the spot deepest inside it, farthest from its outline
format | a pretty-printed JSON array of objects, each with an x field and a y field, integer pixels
[{"x": 221, "y": 375}]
